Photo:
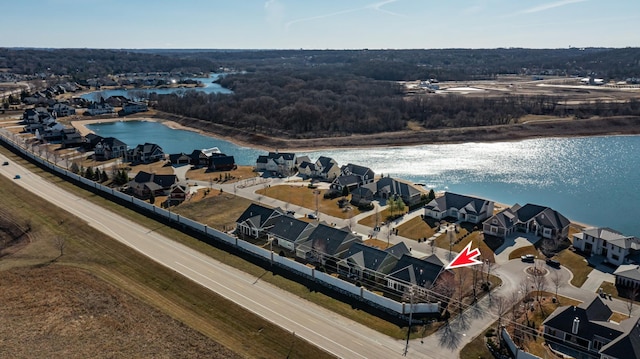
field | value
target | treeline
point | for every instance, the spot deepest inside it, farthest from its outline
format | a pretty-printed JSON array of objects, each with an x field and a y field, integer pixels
[
  {"x": 313, "y": 103},
  {"x": 388, "y": 65},
  {"x": 302, "y": 104},
  {"x": 82, "y": 64}
]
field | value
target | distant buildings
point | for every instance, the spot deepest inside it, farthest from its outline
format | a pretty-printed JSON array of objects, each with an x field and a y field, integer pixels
[{"x": 613, "y": 245}]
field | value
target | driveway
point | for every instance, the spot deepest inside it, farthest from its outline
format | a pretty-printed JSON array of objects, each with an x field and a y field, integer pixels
[{"x": 515, "y": 241}]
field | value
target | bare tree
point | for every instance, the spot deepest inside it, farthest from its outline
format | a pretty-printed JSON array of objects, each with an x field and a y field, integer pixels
[
  {"x": 556, "y": 280},
  {"x": 525, "y": 287},
  {"x": 461, "y": 283},
  {"x": 632, "y": 294},
  {"x": 539, "y": 281},
  {"x": 60, "y": 243}
]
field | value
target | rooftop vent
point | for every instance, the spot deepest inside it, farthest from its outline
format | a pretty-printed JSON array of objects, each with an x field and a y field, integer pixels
[{"x": 575, "y": 326}]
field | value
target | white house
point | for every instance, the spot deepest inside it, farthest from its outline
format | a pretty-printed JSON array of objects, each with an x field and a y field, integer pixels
[
  {"x": 281, "y": 163},
  {"x": 611, "y": 244}
]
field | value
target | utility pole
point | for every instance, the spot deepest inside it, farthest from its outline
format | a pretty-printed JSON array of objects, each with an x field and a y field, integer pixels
[{"x": 411, "y": 294}]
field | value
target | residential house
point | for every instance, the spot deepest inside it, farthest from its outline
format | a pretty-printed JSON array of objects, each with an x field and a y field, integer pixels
[
  {"x": 327, "y": 168},
  {"x": 256, "y": 221},
  {"x": 361, "y": 196},
  {"x": 222, "y": 162},
  {"x": 283, "y": 164},
  {"x": 365, "y": 175},
  {"x": 307, "y": 169},
  {"x": 345, "y": 181},
  {"x": 530, "y": 218},
  {"x": 146, "y": 153},
  {"x": 133, "y": 107},
  {"x": 71, "y": 137},
  {"x": 326, "y": 244},
  {"x": 116, "y": 101},
  {"x": 108, "y": 148},
  {"x": 179, "y": 158},
  {"x": 370, "y": 263},
  {"x": 613, "y": 245},
  {"x": 388, "y": 187},
  {"x": 99, "y": 108},
  {"x": 585, "y": 331},
  {"x": 289, "y": 231},
  {"x": 63, "y": 110},
  {"x": 178, "y": 193},
  {"x": 144, "y": 184},
  {"x": 414, "y": 272},
  {"x": 628, "y": 277},
  {"x": 462, "y": 208}
]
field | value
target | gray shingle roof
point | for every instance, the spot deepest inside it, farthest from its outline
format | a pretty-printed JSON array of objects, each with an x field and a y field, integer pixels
[
  {"x": 417, "y": 271},
  {"x": 290, "y": 228},
  {"x": 330, "y": 240},
  {"x": 471, "y": 205},
  {"x": 257, "y": 215}
]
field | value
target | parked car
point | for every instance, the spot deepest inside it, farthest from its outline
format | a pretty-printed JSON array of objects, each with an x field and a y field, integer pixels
[
  {"x": 528, "y": 258},
  {"x": 16, "y": 177},
  {"x": 312, "y": 216},
  {"x": 553, "y": 263},
  {"x": 5, "y": 163}
]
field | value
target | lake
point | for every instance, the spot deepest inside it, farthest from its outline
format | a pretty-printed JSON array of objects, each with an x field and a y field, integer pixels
[
  {"x": 593, "y": 180},
  {"x": 209, "y": 87}
]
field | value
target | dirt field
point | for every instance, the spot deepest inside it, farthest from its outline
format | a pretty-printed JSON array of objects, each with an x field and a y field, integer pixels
[{"x": 67, "y": 313}]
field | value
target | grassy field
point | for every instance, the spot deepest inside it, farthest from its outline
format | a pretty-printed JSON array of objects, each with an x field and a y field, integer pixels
[
  {"x": 241, "y": 173},
  {"x": 218, "y": 210},
  {"x": 415, "y": 229},
  {"x": 305, "y": 197},
  {"x": 90, "y": 250},
  {"x": 378, "y": 218},
  {"x": 576, "y": 264}
]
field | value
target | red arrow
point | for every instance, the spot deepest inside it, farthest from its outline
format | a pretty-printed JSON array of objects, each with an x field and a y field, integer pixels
[{"x": 465, "y": 258}]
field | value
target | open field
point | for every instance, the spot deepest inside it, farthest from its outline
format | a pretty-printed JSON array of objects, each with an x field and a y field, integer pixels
[
  {"x": 87, "y": 249},
  {"x": 239, "y": 174}
]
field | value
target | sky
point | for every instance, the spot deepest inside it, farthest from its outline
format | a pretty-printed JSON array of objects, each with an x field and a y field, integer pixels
[{"x": 319, "y": 24}]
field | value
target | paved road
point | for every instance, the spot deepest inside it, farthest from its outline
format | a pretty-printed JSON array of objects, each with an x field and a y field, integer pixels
[{"x": 330, "y": 331}]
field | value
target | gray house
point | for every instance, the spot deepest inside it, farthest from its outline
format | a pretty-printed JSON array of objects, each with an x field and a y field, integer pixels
[
  {"x": 461, "y": 207},
  {"x": 366, "y": 262},
  {"x": 288, "y": 231},
  {"x": 256, "y": 221},
  {"x": 326, "y": 243},
  {"x": 531, "y": 218}
]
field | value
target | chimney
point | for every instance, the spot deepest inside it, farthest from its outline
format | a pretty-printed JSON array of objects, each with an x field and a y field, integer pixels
[{"x": 576, "y": 325}]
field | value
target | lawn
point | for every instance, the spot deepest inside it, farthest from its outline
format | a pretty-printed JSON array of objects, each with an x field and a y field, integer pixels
[
  {"x": 306, "y": 197},
  {"x": 240, "y": 173},
  {"x": 519, "y": 252},
  {"x": 463, "y": 237},
  {"x": 477, "y": 348},
  {"x": 218, "y": 210},
  {"x": 378, "y": 218},
  {"x": 415, "y": 229},
  {"x": 576, "y": 264}
]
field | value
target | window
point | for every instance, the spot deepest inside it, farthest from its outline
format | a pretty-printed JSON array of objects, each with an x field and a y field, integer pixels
[{"x": 615, "y": 257}]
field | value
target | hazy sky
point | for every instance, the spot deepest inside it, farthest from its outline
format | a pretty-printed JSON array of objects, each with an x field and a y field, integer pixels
[{"x": 319, "y": 24}]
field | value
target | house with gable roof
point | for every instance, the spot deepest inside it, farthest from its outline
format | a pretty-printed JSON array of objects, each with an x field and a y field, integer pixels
[
  {"x": 530, "y": 218},
  {"x": 106, "y": 148},
  {"x": 410, "y": 272},
  {"x": 289, "y": 231},
  {"x": 461, "y": 207},
  {"x": 585, "y": 331},
  {"x": 371, "y": 263},
  {"x": 326, "y": 243},
  {"x": 307, "y": 169},
  {"x": 628, "y": 276},
  {"x": 388, "y": 187},
  {"x": 283, "y": 164},
  {"x": 144, "y": 184},
  {"x": 145, "y": 153},
  {"x": 256, "y": 221},
  {"x": 327, "y": 168},
  {"x": 613, "y": 245}
]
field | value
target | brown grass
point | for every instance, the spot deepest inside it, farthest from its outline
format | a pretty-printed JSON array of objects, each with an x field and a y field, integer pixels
[
  {"x": 576, "y": 264},
  {"x": 217, "y": 209},
  {"x": 303, "y": 196},
  {"x": 159, "y": 287},
  {"x": 519, "y": 252},
  {"x": 415, "y": 229},
  {"x": 382, "y": 216},
  {"x": 201, "y": 174}
]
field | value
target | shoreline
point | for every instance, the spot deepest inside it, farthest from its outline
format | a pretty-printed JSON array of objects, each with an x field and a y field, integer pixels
[
  {"x": 80, "y": 125},
  {"x": 626, "y": 126}
]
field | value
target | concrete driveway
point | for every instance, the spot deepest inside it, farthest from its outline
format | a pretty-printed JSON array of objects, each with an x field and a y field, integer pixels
[{"x": 515, "y": 241}]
